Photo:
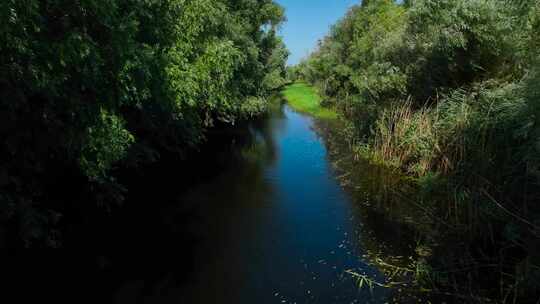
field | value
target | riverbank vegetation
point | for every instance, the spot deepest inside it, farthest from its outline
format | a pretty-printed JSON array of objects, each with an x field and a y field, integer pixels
[
  {"x": 304, "y": 98},
  {"x": 92, "y": 88},
  {"x": 448, "y": 92}
]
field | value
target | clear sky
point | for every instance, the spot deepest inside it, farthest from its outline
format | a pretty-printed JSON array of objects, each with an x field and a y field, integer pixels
[{"x": 309, "y": 21}]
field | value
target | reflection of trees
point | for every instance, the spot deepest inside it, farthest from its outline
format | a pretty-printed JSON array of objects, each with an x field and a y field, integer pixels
[
  {"x": 390, "y": 197},
  {"x": 386, "y": 225},
  {"x": 183, "y": 230},
  {"x": 220, "y": 218}
]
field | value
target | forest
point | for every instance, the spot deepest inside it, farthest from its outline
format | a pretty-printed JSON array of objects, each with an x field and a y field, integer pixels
[
  {"x": 448, "y": 93},
  {"x": 89, "y": 88}
]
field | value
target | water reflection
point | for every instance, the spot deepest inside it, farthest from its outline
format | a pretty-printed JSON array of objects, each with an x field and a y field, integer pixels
[
  {"x": 389, "y": 211},
  {"x": 276, "y": 227}
]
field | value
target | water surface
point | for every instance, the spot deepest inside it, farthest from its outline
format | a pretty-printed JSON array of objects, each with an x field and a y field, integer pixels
[{"x": 276, "y": 227}]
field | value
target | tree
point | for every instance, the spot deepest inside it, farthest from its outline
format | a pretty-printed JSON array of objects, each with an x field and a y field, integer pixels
[{"x": 88, "y": 85}]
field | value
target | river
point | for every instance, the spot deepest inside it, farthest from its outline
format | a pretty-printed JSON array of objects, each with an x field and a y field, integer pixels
[{"x": 275, "y": 226}]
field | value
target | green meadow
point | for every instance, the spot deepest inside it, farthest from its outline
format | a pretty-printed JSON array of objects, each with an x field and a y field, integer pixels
[{"x": 304, "y": 98}]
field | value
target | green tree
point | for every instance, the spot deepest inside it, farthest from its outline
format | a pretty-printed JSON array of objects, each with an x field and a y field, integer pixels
[{"x": 87, "y": 86}]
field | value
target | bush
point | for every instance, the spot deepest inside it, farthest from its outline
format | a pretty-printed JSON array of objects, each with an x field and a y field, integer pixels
[{"x": 448, "y": 92}]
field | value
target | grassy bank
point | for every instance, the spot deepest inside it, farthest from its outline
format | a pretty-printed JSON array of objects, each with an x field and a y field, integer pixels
[
  {"x": 448, "y": 94},
  {"x": 304, "y": 98}
]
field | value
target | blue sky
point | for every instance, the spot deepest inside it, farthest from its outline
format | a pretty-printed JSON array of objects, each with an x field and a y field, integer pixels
[{"x": 309, "y": 21}]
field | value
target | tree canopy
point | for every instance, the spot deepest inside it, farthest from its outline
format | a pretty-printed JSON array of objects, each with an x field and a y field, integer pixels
[{"x": 90, "y": 85}]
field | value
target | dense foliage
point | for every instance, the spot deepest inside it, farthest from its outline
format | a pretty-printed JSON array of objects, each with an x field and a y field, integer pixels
[
  {"x": 90, "y": 86},
  {"x": 448, "y": 91}
]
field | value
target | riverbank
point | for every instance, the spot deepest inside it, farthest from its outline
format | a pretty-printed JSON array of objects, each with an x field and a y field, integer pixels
[
  {"x": 471, "y": 236},
  {"x": 446, "y": 249},
  {"x": 448, "y": 95},
  {"x": 304, "y": 98}
]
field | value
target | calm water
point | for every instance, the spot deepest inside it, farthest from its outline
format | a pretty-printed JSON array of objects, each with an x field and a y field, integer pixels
[
  {"x": 275, "y": 227},
  {"x": 278, "y": 227}
]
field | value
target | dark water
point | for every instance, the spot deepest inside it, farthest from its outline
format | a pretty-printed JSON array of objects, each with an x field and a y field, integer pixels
[{"x": 276, "y": 227}]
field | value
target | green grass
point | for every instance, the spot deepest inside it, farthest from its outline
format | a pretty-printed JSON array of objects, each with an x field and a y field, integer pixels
[{"x": 304, "y": 98}]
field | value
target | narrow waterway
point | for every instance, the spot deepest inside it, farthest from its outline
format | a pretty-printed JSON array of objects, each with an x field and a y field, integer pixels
[
  {"x": 278, "y": 224},
  {"x": 276, "y": 227}
]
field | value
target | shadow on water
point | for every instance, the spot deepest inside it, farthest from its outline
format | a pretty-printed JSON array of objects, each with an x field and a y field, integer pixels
[
  {"x": 381, "y": 197},
  {"x": 399, "y": 228},
  {"x": 278, "y": 224},
  {"x": 274, "y": 226}
]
